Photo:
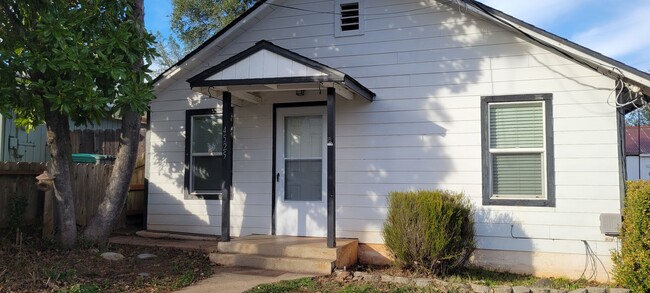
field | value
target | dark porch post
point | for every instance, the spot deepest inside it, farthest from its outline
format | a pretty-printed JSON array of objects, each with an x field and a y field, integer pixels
[
  {"x": 331, "y": 170},
  {"x": 227, "y": 166}
]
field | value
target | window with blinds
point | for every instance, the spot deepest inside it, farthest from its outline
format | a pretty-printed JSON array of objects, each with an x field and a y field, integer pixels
[
  {"x": 203, "y": 154},
  {"x": 517, "y": 150}
]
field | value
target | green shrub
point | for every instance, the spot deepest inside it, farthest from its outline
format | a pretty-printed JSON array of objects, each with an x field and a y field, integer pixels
[
  {"x": 632, "y": 262},
  {"x": 431, "y": 230}
]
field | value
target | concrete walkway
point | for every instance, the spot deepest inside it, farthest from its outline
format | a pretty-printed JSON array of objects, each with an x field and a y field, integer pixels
[
  {"x": 224, "y": 279},
  {"x": 239, "y": 279}
]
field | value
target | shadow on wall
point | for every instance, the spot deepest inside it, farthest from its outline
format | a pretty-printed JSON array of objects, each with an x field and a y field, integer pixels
[{"x": 422, "y": 132}]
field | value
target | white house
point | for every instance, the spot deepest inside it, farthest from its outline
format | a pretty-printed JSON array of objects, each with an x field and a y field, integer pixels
[{"x": 301, "y": 116}]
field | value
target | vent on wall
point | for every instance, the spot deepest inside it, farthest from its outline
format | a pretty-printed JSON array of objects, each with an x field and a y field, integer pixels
[
  {"x": 348, "y": 19},
  {"x": 350, "y": 16}
]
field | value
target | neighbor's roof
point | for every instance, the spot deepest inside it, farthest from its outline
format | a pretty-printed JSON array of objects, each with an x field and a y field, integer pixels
[
  {"x": 637, "y": 140},
  {"x": 581, "y": 55}
]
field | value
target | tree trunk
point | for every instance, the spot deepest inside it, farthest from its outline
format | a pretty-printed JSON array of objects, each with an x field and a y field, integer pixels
[
  {"x": 101, "y": 225},
  {"x": 58, "y": 139}
]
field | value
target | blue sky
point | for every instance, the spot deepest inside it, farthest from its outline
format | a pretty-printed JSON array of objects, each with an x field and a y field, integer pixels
[{"x": 615, "y": 28}]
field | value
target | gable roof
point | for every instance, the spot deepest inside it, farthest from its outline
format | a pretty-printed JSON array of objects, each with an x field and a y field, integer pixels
[
  {"x": 236, "y": 70},
  {"x": 579, "y": 54}
]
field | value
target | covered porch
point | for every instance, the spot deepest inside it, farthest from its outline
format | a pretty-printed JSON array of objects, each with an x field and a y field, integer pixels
[
  {"x": 265, "y": 70},
  {"x": 277, "y": 253}
]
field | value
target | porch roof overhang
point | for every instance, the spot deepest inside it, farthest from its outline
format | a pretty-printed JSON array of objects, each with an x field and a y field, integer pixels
[{"x": 267, "y": 67}]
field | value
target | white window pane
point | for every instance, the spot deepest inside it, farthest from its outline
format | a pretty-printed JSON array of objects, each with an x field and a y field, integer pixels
[
  {"x": 303, "y": 137},
  {"x": 206, "y": 173},
  {"x": 516, "y": 125},
  {"x": 304, "y": 180},
  {"x": 206, "y": 134},
  {"x": 517, "y": 175}
]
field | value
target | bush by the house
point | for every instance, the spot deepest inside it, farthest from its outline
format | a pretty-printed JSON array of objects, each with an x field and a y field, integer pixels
[
  {"x": 632, "y": 262},
  {"x": 429, "y": 229}
]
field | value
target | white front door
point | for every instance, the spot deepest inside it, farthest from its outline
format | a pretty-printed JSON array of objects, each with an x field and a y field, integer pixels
[{"x": 301, "y": 209}]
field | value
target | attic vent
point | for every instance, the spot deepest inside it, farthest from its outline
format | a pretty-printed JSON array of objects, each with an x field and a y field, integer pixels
[{"x": 350, "y": 16}]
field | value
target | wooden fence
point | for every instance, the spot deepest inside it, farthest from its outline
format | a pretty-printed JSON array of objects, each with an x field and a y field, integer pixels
[
  {"x": 89, "y": 182},
  {"x": 18, "y": 179},
  {"x": 102, "y": 142}
]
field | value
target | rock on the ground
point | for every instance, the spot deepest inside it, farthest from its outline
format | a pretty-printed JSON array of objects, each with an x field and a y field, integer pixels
[
  {"x": 520, "y": 289},
  {"x": 440, "y": 283},
  {"x": 371, "y": 278},
  {"x": 387, "y": 278},
  {"x": 460, "y": 288},
  {"x": 596, "y": 290},
  {"x": 558, "y": 291},
  {"x": 480, "y": 288},
  {"x": 543, "y": 283},
  {"x": 144, "y": 275},
  {"x": 342, "y": 276},
  {"x": 502, "y": 289},
  {"x": 112, "y": 256},
  {"x": 619, "y": 290},
  {"x": 401, "y": 280},
  {"x": 146, "y": 256},
  {"x": 540, "y": 290},
  {"x": 422, "y": 282},
  {"x": 582, "y": 290}
]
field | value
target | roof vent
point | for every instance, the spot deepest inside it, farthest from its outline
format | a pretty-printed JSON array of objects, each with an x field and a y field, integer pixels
[
  {"x": 350, "y": 16},
  {"x": 348, "y": 19}
]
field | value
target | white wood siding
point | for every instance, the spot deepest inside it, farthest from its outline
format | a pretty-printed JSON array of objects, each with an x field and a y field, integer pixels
[
  {"x": 265, "y": 64},
  {"x": 429, "y": 68}
]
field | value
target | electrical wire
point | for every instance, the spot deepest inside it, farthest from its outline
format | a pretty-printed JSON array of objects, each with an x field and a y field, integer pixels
[
  {"x": 618, "y": 89},
  {"x": 592, "y": 260},
  {"x": 613, "y": 69}
]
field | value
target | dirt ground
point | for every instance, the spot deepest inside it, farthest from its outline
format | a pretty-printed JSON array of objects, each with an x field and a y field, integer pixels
[{"x": 38, "y": 266}]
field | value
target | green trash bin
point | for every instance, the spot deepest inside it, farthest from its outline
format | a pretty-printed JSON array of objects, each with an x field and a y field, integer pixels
[{"x": 92, "y": 159}]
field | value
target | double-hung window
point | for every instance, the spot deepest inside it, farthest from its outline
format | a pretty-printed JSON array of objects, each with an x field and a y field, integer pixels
[
  {"x": 517, "y": 150},
  {"x": 203, "y": 154}
]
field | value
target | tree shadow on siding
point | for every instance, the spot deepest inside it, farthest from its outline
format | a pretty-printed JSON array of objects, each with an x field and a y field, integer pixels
[{"x": 423, "y": 130}]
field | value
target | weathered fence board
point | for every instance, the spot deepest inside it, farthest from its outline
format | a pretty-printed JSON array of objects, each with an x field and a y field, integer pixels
[
  {"x": 17, "y": 178},
  {"x": 102, "y": 142},
  {"x": 89, "y": 182}
]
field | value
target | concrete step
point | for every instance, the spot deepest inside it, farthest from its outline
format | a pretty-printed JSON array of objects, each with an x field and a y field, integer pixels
[
  {"x": 299, "y": 247},
  {"x": 288, "y": 264}
]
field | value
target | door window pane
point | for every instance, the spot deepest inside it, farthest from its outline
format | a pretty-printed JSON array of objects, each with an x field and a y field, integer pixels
[
  {"x": 304, "y": 180},
  {"x": 303, "y": 137}
]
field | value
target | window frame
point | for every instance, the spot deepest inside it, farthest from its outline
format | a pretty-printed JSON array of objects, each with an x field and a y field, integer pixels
[
  {"x": 338, "y": 32},
  {"x": 189, "y": 155},
  {"x": 548, "y": 169}
]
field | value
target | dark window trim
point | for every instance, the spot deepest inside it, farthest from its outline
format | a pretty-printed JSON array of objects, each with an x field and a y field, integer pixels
[
  {"x": 188, "y": 153},
  {"x": 549, "y": 201}
]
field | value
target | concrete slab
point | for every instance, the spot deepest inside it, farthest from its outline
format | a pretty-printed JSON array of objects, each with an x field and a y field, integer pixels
[
  {"x": 196, "y": 245},
  {"x": 239, "y": 279}
]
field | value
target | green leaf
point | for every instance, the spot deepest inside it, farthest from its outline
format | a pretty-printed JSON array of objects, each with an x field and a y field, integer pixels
[{"x": 19, "y": 51}]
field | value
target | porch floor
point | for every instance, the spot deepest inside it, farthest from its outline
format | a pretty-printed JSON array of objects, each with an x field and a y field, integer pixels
[{"x": 287, "y": 253}]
